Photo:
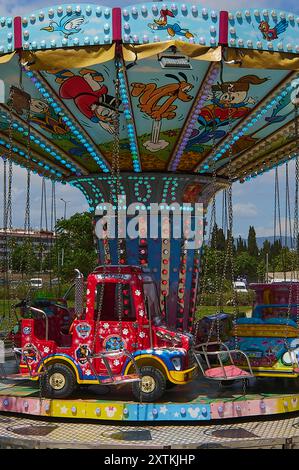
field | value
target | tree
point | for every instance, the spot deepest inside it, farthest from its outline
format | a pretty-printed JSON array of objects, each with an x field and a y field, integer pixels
[
  {"x": 246, "y": 265},
  {"x": 75, "y": 245},
  {"x": 275, "y": 249},
  {"x": 251, "y": 243},
  {"x": 218, "y": 238},
  {"x": 23, "y": 258},
  {"x": 241, "y": 245}
]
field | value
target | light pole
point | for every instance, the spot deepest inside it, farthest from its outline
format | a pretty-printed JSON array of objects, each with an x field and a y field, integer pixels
[
  {"x": 62, "y": 251},
  {"x": 65, "y": 203}
]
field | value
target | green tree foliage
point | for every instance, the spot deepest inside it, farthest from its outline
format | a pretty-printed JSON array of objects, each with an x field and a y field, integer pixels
[
  {"x": 218, "y": 238},
  {"x": 241, "y": 245},
  {"x": 251, "y": 243},
  {"x": 24, "y": 259},
  {"x": 75, "y": 245},
  {"x": 246, "y": 265}
]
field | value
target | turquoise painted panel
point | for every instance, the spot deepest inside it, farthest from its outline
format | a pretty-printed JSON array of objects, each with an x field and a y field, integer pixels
[
  {"x": 67, "y": 26},
  {"x": 268, "y": 30},
  {"x": 153, "y": 22},
  {"x": 6, "y": 35},
  {"x": 167, "y": 412}
]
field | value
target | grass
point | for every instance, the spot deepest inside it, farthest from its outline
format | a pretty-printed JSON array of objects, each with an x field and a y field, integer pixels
[{"x": 212, "y": 309}]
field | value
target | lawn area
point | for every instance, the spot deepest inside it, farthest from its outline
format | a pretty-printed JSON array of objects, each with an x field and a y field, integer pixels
[{"x": 211, "y": 309}]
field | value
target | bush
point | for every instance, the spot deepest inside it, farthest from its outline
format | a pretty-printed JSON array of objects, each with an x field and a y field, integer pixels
[
  {"x": 21, "y": 291},
  {"x": 243, "y": 298}
]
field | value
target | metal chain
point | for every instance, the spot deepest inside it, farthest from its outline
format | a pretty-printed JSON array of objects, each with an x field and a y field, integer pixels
[
  {"x": 230, "y": 239},
  {"x": 27, "y": 221},
  {"x": 115, "y": 181},
  {"x": 202, "y": 287},
  {"x": 296, "y": 202},
  {"x": 116, "y": 151}
]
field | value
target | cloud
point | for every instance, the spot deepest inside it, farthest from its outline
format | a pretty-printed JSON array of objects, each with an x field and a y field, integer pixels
[
  {"x": 247, "y": 209},
  {"x": 77, "y": 202}
]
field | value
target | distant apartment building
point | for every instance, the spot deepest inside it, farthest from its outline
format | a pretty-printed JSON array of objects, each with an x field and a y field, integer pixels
[{"x": 40, "y": 240}]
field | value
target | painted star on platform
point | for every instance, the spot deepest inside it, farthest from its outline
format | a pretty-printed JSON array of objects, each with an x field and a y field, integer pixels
[{"x": 163, "y": 410}]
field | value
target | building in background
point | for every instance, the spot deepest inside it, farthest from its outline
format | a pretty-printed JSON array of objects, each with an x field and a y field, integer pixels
[{"x": 41, "y": 241}]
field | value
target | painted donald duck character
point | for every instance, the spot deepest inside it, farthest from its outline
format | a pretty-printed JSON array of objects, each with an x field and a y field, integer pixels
[{"x": 172, "y": 29}]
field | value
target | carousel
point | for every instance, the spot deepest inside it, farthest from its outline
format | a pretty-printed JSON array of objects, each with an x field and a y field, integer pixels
[{"x": 153, "y": 105}]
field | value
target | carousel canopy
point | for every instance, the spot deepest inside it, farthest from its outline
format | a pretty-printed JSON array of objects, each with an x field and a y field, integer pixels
[{"x": 192, "y": 90}]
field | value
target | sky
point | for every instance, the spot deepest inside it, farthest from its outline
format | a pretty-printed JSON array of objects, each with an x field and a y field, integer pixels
[{"x": 253, "y": 201}]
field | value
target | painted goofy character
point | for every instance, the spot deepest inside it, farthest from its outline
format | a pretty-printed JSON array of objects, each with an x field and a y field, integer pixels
[
  {"x": 172, "y": 29},
  {"x": 89, "y": 94},
  {"x": 158, "y": 103},
  {"x": 225, "y": 106}
]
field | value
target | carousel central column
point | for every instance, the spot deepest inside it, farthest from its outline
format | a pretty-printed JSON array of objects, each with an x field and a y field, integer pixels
[{"x": 162, "y": 230}]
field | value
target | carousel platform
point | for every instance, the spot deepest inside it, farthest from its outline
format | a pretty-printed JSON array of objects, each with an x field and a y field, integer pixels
[{"x": 200, "y": 401}]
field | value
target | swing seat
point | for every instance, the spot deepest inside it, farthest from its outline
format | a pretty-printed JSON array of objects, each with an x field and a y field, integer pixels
[
  {"x": 230, "y": 372},
  {"x": 222, "y": 354}
]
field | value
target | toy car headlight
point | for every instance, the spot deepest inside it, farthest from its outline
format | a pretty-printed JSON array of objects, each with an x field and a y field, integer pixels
[{"x": 177, "y": 363}]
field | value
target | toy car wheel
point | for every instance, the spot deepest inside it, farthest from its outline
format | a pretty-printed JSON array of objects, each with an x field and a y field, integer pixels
[
  {"x": 152, "y": 385},
  {"x": 58, "y": 382}
]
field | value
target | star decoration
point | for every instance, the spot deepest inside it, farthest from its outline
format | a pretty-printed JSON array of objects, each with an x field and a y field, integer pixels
[{"x": 163, "y": 410}]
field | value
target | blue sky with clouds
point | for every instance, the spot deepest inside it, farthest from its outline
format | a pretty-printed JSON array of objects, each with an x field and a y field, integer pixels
[{"x": 253, "y": 201}]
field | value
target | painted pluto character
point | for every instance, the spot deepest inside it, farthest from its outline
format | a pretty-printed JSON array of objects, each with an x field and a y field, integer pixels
[{"x": 158, "y": 103}]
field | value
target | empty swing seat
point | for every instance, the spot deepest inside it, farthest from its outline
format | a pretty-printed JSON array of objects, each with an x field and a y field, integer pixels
[
  {"x": 230, "y": 372},
  {"x": 222, "y": 354}
]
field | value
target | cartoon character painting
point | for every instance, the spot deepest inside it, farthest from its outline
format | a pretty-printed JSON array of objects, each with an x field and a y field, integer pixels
[
  {"x": 158, "y": 103},
  {"x": 68, "y": 25},
  {"x": 89, "y": 94},
  {"x": 192, "y": 192},
  {"x": 113, "y": 343},
  {"x": 173, "y": 29},
  {"x": 230, "y": 102},
  {"x": 82, "y": 352},
  {"x": 42, "y": 116},
  {"x": 272, "y": 33}
]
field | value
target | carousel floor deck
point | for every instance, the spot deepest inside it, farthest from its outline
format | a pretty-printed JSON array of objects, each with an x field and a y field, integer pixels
[
  {"x": 201, "y": 400},
  {"x": 193, "y": 416}
]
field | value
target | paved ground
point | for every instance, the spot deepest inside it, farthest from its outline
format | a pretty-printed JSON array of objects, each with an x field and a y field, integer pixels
[{"x": 20, "y": 432}]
